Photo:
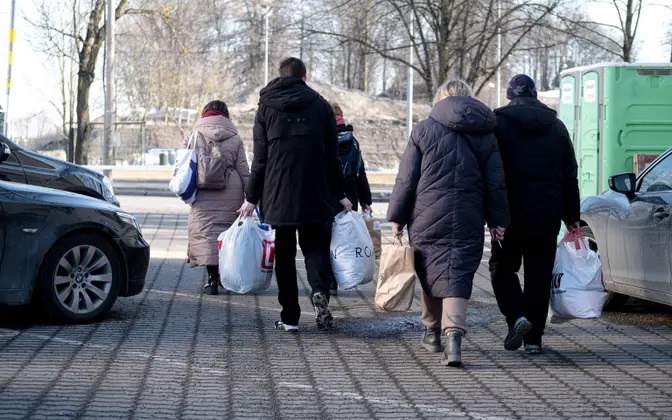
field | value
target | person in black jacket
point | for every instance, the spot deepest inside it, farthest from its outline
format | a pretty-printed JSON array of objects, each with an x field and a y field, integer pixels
[
  {"x": 357, "y": 187},
  {"x": 541, "y": 179},
  {"x": 296, "y": 179}
]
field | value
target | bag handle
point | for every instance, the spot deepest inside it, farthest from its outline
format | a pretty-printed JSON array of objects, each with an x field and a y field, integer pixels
[
  {"x": 193, "y": 139},
  {"x": 574, "y": 234},
  {"x": 397, "y": 241}
]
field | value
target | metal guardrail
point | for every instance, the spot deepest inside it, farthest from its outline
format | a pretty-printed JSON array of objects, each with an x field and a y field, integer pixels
[
  {"x": 159, "y": 187},
  {"x": 105, "y": 168}
]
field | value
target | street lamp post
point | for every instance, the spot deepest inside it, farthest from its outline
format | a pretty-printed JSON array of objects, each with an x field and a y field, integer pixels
[
  {"x": 491, "y": 86},
  {"x": 499, "y": 53},
  {"x": 109, "y": 83},
  {"x": 10, "y": 59},
  {"x": 409, "y": 93},
  {"x": 267, "y": 13}
]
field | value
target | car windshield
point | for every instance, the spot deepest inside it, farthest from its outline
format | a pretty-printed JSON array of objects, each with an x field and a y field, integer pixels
[{"x": 8, "y": 142}]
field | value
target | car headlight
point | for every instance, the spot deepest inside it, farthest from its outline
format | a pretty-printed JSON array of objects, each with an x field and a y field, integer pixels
[
  {"x": 108, "y": 189},
  {"x": 130, "y": 219}
]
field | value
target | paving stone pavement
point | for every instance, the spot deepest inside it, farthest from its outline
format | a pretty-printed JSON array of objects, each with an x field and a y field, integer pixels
[{"x": 173, "y": 353}]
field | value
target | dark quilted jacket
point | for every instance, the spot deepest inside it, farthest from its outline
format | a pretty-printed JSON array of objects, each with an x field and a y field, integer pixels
[
  {"x": 540, "y": 167},
  {"x": 450, "y": 183}
]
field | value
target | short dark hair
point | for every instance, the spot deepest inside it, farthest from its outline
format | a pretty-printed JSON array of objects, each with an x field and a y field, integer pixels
[
  {"x": 292, "y": 67},
  {"x": 216, "y": 106}
]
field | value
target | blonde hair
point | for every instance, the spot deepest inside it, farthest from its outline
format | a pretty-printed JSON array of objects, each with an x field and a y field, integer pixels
[{"x": 454, "y": 87}]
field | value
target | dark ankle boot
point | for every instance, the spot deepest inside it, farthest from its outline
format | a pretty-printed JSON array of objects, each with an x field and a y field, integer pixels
[
  {"x": 431, "y": 340},
  {"x": 452, "y": 355},
  {"x": 212, "y": 286}
]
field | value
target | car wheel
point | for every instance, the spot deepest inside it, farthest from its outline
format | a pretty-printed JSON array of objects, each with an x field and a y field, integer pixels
[
  {"x": 80, "y": 278},
  {"x": 614, "y": 300}
]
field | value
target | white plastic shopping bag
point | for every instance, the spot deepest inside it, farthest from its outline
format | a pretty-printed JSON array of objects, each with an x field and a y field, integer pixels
[
  {"x": 577, "y": 290},
  {"x": 185, "y": 177},
  {"x": 246, "y": 256},
  {"x": 352, "y": 255}
]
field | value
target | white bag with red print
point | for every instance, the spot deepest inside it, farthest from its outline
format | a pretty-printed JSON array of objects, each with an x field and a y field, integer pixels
[
  {"x": 246, "y": 255},
  {"x": 577, "y": 290}
]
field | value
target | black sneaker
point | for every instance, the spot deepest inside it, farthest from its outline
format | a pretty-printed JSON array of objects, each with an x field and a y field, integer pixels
[
  {"x": 211, "y": 287},
  {"x": 452, "y": 355},
  {"x": 279, "y": 325},
  {"x": 323, "y": 316},
  {"x": 533, "y": 350},
  {"x": 431, "y": 340},
  {"x": 514, "y": 339}
]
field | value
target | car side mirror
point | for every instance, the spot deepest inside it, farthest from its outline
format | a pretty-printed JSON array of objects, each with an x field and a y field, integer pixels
[
  {"x": 4, "y": 152},
  {"x": 624, "y": 184}
]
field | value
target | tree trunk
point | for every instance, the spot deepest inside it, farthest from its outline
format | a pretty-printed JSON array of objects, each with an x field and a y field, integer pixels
[{"x": 83, "y": 118}]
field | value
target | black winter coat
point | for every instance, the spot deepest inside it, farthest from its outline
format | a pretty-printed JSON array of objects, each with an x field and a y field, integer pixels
[
  {"x": 540, "y": 167},
  {"x": 296, "y": 175},
  {"x": 450, "y": 182},
  {"x": 357, "y": 191}
]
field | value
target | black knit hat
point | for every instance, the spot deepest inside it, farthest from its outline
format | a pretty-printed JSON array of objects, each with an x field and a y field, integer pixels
[{"x": 521, "y": 86}]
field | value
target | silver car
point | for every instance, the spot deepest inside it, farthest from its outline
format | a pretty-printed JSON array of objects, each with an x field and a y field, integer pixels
[{"x": 631, "y": 229}]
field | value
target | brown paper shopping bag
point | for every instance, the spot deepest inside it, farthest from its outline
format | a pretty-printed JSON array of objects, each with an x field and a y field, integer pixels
[
  {"x": 396, "y": 281},
  {"x": 373, "y": 225}
]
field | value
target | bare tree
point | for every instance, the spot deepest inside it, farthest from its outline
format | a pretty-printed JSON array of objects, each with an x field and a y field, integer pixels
[
  {"x": 56, "y": 39},
  {"x": 621, "y": 36},
  {"x": 547, "y": 51},
  {"x": 629, "y": 12},
  {"x": 88, "y": 34},
  {"x": 449, "y": 38}
]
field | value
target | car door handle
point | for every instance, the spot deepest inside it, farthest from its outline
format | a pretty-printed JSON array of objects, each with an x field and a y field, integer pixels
[{"x": 661, "y": 214}]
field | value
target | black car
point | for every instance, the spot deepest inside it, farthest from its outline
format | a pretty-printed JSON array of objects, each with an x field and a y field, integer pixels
[
  {"x": 71, "y": 254},
  {"x": 631, "y": 229},
  {"x": 23, "y": 166}
]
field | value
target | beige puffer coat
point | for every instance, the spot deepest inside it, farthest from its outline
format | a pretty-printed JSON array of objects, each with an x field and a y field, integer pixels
[{"x": 214, "y": 211}]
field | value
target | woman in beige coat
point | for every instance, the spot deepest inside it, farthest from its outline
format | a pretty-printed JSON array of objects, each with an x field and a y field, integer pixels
[{"x": 214, "y": 211}]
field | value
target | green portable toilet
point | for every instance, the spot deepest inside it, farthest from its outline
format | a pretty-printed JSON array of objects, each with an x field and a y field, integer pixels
[
  {"x": 569, "y": 100},
  {"x": 614, "y": 112}
]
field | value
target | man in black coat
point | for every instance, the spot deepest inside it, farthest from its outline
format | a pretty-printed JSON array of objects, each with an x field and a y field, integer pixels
[
  {"x": 541, "y": 180},
  {"x": 296, "y": 178}
]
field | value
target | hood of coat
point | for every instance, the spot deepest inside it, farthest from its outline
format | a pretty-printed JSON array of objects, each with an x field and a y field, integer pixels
[
  {"x": 464, "y": 114},
  {"x": 287, "y": 94},
  {"x": 529, "y": 114},
  {"x": 216, "y": 128}
]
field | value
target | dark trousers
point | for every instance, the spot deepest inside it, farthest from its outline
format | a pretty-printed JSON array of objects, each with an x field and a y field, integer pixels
[
  {"x": 314, "y": 242},
  {"x": 537, "y": 253}
]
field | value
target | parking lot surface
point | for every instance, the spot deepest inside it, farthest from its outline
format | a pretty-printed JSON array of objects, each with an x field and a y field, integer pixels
[{"x": 171, "y": 352}]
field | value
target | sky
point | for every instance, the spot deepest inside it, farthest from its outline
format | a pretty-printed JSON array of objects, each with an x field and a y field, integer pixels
[{"x": 34, "y": 85}]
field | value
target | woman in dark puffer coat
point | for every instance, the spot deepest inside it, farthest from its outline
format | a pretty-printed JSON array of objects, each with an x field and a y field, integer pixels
[{"x": 450, "y": 183}]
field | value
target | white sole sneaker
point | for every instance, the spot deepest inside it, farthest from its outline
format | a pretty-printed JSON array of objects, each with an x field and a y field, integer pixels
[{"x": 279, "y": 325}]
